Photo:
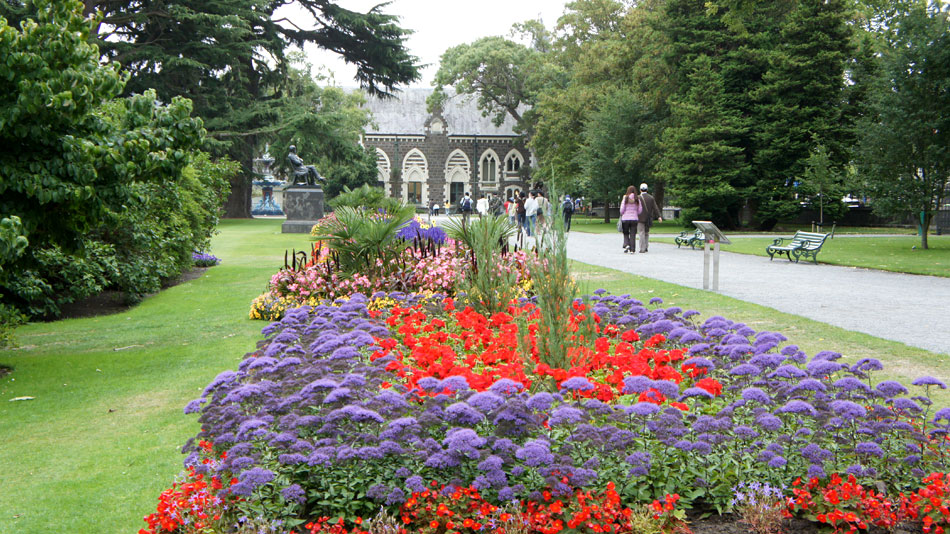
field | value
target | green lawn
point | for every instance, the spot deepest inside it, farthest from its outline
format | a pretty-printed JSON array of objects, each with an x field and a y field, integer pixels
[
  {"x": 101, "y": 439},
  {"x": 899, "y": 254},
  {"x": 598, "y": 226}
]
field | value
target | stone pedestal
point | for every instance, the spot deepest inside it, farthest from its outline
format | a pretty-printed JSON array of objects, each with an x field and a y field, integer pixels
[{"x": 303, "y": 205}]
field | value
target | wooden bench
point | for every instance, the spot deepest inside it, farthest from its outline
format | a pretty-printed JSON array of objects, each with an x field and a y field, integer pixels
[
  {"x": 805, "y": 244},
  {"x": 692, "y": 238}
]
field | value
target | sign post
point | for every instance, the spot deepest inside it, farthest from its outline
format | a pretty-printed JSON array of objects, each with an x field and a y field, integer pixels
[{"x": 713, "y": 235}]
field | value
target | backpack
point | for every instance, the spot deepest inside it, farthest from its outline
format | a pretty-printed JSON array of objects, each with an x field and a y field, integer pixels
[
  {"x": 466, "y": 204},
  {"x": 567, "y": 206}
]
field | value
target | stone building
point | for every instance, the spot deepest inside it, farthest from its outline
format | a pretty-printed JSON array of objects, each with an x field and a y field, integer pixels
[{"x": 426, "y": 158}]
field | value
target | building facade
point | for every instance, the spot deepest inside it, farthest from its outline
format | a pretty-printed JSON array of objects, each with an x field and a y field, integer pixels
[{"x": 434, "y": 158}]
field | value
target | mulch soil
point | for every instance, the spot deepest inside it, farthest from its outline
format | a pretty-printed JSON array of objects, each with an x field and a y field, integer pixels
[{"x": 110, "y": 302}]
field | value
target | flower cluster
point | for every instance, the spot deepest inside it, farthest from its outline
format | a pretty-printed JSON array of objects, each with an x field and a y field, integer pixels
[
  {"x": 194, "y": 505},
  {"x": 202, "y": 259},
  {"x": 419, "y": 228}
]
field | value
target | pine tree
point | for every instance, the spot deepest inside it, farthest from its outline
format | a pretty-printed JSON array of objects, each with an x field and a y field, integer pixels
[{"x": 703, "y": 161}]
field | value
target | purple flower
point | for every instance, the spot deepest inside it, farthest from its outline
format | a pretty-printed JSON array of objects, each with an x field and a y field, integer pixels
[
  {"x": 810, "y": 384},
  {"x": 256, "y": 477},
  {"x": 754, "y": 394},
  {"x": 696, "y": 392},
  {"x": 644, "y": 409},
  {"x": 700, "y": 363},
  {"x": 788, "y": 371},
  {"x": 905, "y": 405},
  {"x": 566, "y": 415},
  {"x": 355, "y": 413},
  {"x": 818, "y": 367},
  {"x": 577, "y": 383},
  {"x": 535, "y": 453},
  {"x": 816, "y": 471},
  {"x": 455, "y": 383},
  {"x": 850, "y": 383},
  {"x": 415, "y": 484},
  {"x": 929, "y": 381},
  {"x": 768, "y": 422},
  {"x": 777, "y": 461},
  {"x": 339, "y": 394},
  {"x": 463, "y": 413},
  {"x": 636, "y": 384},
  {"x": 890, "y": 388},
  {"x": 942, "y": 414},
  {"x": 848, "y": 409},
  {"x": 506, "y": 387},
  {"x": 430, "y": 384},
  {"x": 745, "y": 369},
  {"x": 294, "y": 493},
  {"x": 799, "y": 407},
  {"x": 485, "y": 401},
  {"x": 666, "y": 387},
  {"x": 540, "y": 401},
  {"x": 869, "y": 447}
]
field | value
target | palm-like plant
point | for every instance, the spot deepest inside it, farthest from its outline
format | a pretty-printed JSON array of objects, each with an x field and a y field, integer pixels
[
  {"x": 486, "y": 289},
  {"x": 364, "y": 241}
]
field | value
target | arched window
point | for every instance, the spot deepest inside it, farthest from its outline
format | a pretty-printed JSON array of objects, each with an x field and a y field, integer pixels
[
  {"x": 383, "y": 168},
  {"x": 457, "y": 177},
  {"x": 513, "y": 163},
  {"x": 489, "y": 167},
  {"x": 415, "y": 174}
]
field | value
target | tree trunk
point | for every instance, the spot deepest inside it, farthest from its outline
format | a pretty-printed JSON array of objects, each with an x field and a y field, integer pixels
[
  {"x": 607, "y": 210},
  {"x": 238, "y": 205},
  {"x": 925, "y": 229},
  {"x": 659, "y": 194}
]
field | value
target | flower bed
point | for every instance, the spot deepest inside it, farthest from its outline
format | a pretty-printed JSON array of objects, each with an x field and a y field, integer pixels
[{"x": 345, "y": 409}]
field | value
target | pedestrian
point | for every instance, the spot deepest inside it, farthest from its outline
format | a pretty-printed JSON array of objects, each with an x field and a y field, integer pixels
[
  {"x": 512, "y": 210},
  {"x": 531, "y": 212},
  {"x": 650, "y": 212},
  {"x": 465, "y": 206},
  {"x": 544, "y": 209},
  {"x": 431, "y": 208},
  {"x": 481, "y": 206},
  {"x": 435, "y": 208},
  {"x": 630, "y": 208},
  {"x": 522, "y": 212},
  {"x": 494, "y": 205},
  {"x": 567, "y": 208}
]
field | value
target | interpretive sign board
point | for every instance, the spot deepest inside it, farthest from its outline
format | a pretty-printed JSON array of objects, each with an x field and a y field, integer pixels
[{"x": 712, "y": 235}]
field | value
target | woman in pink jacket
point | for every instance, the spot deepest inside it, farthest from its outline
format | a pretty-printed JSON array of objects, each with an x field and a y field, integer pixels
[{"x": 630, "y": 208}]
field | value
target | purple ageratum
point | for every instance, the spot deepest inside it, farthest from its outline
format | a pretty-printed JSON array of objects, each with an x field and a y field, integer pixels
[
  {"x": 788, "y": 371},
  {"x": 356, "y": 414},
  {"x": 566, "y": 415},
  {"x": 636, "y": 384},
  {"x": 461, "y": 412},
  {"x": 745, "y": 369},
  {"x": 644, "y": 409},
  {"x": 540, "y": 401},
  {"x": 696, "y": 392},
  {"x": 535, "y": 453},
  {"x": 768, "y": 422},
  {"x": 798, "y": 407},
  {"x": 430, "y": 384},
  {"x": 819, "y": 367},
  {"x": 849, "y": 383},
  {"x": 753, "y": 394},
  {"x": 455, "y": 383},
  {"x": 869, "y": 448},
  {"x": 700, "y": 363},
  {"x": 942, "y": 414},
  {"x": 577, "y": 383},
  {"x": 848, "y": 409},
  {"x": 666, "y": 387},
  {"x": 929, "y": 381},
  {"x": 486, "y": 401},
  {"x": 891, "y": 388},
  {"x": 506, "y": 387}
]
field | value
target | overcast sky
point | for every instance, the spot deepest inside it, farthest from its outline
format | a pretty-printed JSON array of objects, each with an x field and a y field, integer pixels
[{"x": 442, "y": 24}]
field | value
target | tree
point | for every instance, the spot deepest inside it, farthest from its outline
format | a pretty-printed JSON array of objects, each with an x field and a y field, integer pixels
[
  {"x": 905, "y": 153},
  {"x": 324, "y": 123},
  {"x": 229, "y": 56},
  {"x": 620, "y": 146},
  {"x": 703, "y": 159},
  {"x": 802, "y": 97},
  {"x": 823, "y": 184},
  {"x": 505, "y": 76}
]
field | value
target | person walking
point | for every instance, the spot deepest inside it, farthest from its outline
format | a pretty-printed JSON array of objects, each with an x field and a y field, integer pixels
[
  {"x": 522, "y": 211},
  {"x": 544, "y": 209},
  {"x": 465, "y": 206},
  {"x": 511, "y": 209},
  {"x": 649, "y": 212},
  {"x": 494, "y": 205},
  {"x": 531, "y": 212},
  {"x": 567, "y": 208},
  {"x": 630, "y": 208},
  {"x": 481, "y": 206}
]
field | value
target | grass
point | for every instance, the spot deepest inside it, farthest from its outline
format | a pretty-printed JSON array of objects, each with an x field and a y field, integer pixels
[
  {"x": 898, "y": 254},
  {"x": 101, "y": 439}
]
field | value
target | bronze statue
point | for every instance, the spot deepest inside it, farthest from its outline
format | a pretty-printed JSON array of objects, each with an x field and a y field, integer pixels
[{"x": 305, "y": 174}]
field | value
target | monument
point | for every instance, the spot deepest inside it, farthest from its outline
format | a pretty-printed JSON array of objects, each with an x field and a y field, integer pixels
[
  {"x": 303, "y": 198},
  {"x": 269, "y": 204}
]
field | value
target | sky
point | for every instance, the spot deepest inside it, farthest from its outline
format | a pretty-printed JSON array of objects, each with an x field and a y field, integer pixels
[{"x": 439, "y": 25}]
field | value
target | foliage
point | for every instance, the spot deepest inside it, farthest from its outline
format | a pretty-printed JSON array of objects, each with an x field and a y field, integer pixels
[
  {"x": 12, "y": 240},
  {"x": 365, "y": 197},
  {"x": 487, "y": 284},
  {"x": 822, "y": 182},
  {"x": 905, "y": 156},
  {"x": 231, "y": 57},
  {"x": 364, "y": 240}
]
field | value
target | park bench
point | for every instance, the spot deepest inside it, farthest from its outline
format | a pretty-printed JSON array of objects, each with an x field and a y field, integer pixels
[
  {"x": 805, "y": 244},
  {"x": 692, "y": 238}
]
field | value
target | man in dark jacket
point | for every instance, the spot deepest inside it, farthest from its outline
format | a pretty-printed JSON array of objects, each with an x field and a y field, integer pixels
[{"x": 650, "y": 212}]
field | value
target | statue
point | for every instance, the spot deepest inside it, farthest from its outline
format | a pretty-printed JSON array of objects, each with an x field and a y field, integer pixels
[{"x": 306, "y": 174}]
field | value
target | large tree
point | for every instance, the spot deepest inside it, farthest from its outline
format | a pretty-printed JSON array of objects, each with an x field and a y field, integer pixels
[
  {"x": 906, "y": 143},
  {"x": 230, "y": 58}
]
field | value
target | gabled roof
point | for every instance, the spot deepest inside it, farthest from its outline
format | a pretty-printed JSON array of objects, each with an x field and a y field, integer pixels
[{"x": 406, "y": 114}]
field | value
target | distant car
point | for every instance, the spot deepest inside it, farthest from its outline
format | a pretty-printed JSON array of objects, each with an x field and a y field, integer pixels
[{"x": 852, "y": 202}]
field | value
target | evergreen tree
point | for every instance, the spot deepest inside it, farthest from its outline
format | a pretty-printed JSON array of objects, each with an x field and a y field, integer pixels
[
  {"x": 801, "y": 99},
  {"x": 703, "y": 161}
]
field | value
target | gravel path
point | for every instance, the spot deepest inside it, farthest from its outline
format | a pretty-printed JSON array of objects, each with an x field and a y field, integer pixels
[{"x": 911, "y": 309}]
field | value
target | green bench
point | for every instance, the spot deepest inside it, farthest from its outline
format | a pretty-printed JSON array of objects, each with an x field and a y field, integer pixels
[
  {"x": 802, "y": 244},
  {"x": 693, "y": 238}
]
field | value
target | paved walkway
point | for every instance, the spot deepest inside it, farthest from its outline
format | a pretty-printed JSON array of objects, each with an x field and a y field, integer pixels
[{"x": 907, "y": 308}]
